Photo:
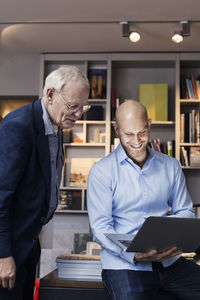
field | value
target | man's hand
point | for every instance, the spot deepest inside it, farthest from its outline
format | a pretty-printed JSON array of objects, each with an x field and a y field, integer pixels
[
  {"x": 7, "y": 272},
  {"x": 154, "y": 255}
]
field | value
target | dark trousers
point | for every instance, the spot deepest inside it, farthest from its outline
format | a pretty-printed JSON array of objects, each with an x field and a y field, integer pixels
[
  {"x": 182, "y": 280},
  {"x": 25, "y": 278}
]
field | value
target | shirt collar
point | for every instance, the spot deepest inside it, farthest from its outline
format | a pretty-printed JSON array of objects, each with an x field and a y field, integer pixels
[{"x": 48, "y": 125}]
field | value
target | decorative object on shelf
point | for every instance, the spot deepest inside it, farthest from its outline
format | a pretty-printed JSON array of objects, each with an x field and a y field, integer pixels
[
  {"x": 95, "y": 113},
  {"x": 102, "y": 138},
  {"x": 77, "y": 135},
  {"x": 80, "y": 242},
  {"x": 80, "y": 168},
  {"x": 67, "y": 135},
  {"x": 92, "y": 248},
  {"x": 78, "y": 140},
  {"x": 97, "y": 77},
  {"x": 194, "y": 156},
  {"x": 79, "y": 267},
  {"x": 64, "y": 200},
  {"x": 155, "y": 98},
  {"x": 96, "y": 135}
]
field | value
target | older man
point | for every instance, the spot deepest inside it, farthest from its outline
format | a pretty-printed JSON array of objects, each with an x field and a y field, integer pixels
[
  {"x": 31, "y": 159},
  {"x": 129, "y": 185}
]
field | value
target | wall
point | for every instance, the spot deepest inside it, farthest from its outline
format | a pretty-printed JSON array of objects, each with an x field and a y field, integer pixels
[
  {"x": 19, "y": 73},
  {"x": 57, "y": 237}
]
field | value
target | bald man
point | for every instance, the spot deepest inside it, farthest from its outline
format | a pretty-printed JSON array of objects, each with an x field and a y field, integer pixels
[{"x": 124, "y": 188}]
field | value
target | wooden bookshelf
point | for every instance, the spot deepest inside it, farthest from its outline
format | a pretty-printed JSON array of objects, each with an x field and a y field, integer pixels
[{"x": 125, "y": 72}]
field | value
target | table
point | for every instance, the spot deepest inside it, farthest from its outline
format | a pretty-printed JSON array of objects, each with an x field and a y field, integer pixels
[{"x": 53, "y": 288}]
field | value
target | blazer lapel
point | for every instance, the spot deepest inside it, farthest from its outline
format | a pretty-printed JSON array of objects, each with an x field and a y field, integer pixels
[{"x": 42, "y": 145}]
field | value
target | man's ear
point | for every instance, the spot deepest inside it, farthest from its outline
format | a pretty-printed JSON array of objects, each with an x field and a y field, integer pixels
[
  {"x": 49, "y": 94},
  {"x": 149, "y": 123},
  {"x": 116, "y": 128}
]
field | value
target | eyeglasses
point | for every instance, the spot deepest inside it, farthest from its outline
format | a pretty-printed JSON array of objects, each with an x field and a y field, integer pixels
[{"x": 74, "y": 108}]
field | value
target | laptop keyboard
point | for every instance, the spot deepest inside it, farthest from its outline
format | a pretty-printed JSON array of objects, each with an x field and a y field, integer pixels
[{"x": 125, "y": 242}]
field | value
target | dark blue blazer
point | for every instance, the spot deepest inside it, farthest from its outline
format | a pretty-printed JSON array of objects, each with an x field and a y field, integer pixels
[{"x": 25, "y": 180}]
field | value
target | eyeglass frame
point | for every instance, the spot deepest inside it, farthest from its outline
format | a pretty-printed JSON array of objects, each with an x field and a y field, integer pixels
[{"x": 73, "y": 108}]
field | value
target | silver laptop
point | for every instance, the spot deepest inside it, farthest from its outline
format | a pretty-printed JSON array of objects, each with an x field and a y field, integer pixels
[{"x": 161, "y": 233}]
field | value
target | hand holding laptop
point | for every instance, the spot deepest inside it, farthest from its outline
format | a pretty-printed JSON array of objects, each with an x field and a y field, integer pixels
[
  {"x": 156, "y": 256},
  {"x": 166, "y": 235}
]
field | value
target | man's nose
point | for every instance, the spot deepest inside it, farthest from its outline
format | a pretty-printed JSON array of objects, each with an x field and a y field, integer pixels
[
  {"x": 136, "y": 138},
  {"x": 79, "y": 113}
]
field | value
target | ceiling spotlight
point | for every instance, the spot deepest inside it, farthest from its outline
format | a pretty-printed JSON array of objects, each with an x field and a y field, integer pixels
[
  {"x": 134, "y": 36},
  {"x": 185, "y": 28},
  {"x": 177, "y": 37}
]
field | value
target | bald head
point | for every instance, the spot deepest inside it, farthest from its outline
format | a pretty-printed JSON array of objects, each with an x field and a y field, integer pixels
[
  {"x": 131, "y": 110},
  {"x": 133, "y": 128}
]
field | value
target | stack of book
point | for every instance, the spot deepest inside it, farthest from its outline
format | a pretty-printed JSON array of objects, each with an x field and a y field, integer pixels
[
  {"x": 190, "y": 127},
  {"x": 190, "y": 88},
  {"x": 167, "y": 147},
  {"x": 79, "y": 267}
]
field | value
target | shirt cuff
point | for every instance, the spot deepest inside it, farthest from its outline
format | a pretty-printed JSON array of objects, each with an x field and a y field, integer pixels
[{"x": 128, "y": 256}]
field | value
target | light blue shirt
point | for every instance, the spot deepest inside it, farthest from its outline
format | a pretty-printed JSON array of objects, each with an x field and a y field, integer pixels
[
  {"x": 56, "y": 155},
  {"x": 121, "y": 196}
]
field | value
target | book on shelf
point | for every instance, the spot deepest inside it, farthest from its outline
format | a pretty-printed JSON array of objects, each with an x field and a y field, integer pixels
[
  {"x": 190, "y": 127},
  {"x": 64, "y": 200},
  {"x": 97, "y": 77},
  {"x": 116, "y": 143},
  {"x": 170, "y": 148},
  {"x": 113, "y": 103},
  {"x": 183, "y": 88},
  {"x": 194, "y": 87},
  {"x": 69, "y": 200},
  {"x": 189, "y": 87},
  {"x": 184, "y": 156},
  {"x": 79, "y": 171},
  {"x": 182, "y": 128},
  {"x": 197, "y": 82},
  {"x": 164, "y": 147},
  {"x": 155, "y": 98},
  {"x": 195, "y": 156}
]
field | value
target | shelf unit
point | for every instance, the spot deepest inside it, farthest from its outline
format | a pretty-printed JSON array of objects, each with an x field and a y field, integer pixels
[
  {"x": 89, "y": 138},
  {"x": 187, "y": 65},
  {"x": 125, "y": 71}
]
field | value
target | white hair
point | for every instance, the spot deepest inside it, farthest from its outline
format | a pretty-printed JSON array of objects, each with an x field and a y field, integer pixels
[{"x": 62, "y": 76}]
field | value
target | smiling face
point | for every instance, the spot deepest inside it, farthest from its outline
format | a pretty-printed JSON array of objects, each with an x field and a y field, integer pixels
[
  {"x": 133, "y": 129},
  {"x": 66, "y": 107}
]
